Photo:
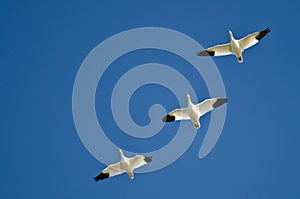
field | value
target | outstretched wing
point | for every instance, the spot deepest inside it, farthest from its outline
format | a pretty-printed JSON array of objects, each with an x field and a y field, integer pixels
[
  {"x": 219, "y": 50},
  {"x": 139, "y": 160},
  {"x": 210, "y": 104},
  {"x": 110, "y": 171},
  {"x": 252, "y": 39},
  {"x": 177, "y": 114}
]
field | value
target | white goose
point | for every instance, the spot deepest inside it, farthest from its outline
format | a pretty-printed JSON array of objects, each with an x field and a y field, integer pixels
[
  {"x": 194, "y": 111},
  {"x": 125, "y": 165},
  {"x": 235, "y": 47}
]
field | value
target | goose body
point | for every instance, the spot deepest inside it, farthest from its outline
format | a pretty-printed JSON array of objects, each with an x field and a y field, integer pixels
[
  {"x": 125, "y": 165},
  {"x": 235, "y": 47},
  {"x": 193, "y": 112}
]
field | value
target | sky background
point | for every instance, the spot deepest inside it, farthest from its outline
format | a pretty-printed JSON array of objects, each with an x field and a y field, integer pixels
[{"x": 42, "y": 46}]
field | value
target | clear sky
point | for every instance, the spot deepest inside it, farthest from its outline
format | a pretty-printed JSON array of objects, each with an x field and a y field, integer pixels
[{"x": 43, "y": 44}]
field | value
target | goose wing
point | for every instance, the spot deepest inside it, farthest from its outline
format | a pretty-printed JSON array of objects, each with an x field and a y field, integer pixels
[
  {"x": 139, "y": 160},
  {"x": 210, "y": 104},
  {"x": 219, "y": 50},
  {"x": 110, "y": 171},
  {"x": 252, "y": 39},
  {"x": 177, "y": 114}
]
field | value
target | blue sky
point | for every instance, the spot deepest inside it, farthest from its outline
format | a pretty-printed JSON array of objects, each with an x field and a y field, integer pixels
[{"x": 42, "y": 47}]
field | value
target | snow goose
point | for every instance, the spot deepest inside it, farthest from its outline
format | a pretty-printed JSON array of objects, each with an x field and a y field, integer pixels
[
  {"x": 194, "y": 111},
  {"x": 125, "y": 165},
  {"x": 235, "y": 47}
]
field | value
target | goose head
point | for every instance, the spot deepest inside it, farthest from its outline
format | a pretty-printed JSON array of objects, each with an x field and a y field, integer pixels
[
  {"x": 188, "y": 96},
  {"x": 230, "y": 34},
  {"x": 188, "y": 99},
  {"x": 121, "y": 153}
]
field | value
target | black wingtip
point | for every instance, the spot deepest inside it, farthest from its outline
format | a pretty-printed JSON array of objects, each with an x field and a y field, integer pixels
[
  {"x": 101, "y": 176},
  {"x": 206, "y": 53},
  {"x": 168, "y": 118},
  {"x": 263, "y": 33},
  {"x": 148, "y": 159},
  {"x": 219, "y": 102}
]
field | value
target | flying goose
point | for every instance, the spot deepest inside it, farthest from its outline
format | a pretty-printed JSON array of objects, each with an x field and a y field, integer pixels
[
  {"x": 235, "y": 47},
  {"x": 194, "y": 111},
  {"x": 125, "y": 165}
]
